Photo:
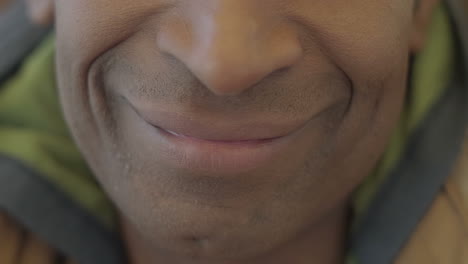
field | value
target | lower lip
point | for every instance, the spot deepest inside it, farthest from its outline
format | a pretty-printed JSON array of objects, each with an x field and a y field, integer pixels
[{"x": 221, "y": 157}]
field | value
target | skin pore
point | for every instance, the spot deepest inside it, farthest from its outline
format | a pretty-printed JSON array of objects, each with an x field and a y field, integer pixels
[{"x": 332, "y": 73}]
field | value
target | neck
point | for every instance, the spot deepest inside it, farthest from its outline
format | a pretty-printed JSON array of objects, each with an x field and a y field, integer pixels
[{"x": 323, "y": 243}]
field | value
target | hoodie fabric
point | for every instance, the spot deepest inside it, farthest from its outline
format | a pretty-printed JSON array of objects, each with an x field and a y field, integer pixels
[{"x": 50, "y": 182}]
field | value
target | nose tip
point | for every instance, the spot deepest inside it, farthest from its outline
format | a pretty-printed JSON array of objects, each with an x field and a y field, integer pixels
[
  {"x": 231, "y": 72},
  {"x": 229, "y": 62}
]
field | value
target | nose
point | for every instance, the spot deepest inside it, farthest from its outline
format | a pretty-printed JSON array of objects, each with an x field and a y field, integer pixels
[{"x": 229, "y": 45}]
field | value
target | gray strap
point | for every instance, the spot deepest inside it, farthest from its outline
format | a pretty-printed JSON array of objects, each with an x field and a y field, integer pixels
[
  {"x": 43, "y": 209},
  {"x": 18, "y": 37},
  {"x": 413, "y": 185}
]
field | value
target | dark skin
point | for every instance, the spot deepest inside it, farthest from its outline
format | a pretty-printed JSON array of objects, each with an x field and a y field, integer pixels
[{"x": 333, "y": 72}]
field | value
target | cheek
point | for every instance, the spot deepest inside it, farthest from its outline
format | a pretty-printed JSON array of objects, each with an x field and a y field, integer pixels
[
  {"x": 368, "y": 40},
  {"x": 371, "y": 58},
  {"x": 86, "y": 29},
  {"x": 373, "y": 51}
]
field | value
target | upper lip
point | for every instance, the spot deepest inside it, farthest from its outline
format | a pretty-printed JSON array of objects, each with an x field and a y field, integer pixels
[{"x": 216, "y": 129}]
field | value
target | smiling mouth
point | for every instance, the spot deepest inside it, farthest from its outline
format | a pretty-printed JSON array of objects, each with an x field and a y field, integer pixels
[
  {"x": 222, "y": 144},
  {"x": 216, "y": 157},
  {"x": 234, "y": 142},
  {"x": 217, "y": 147},
  {"x": 212, "y": 128}
]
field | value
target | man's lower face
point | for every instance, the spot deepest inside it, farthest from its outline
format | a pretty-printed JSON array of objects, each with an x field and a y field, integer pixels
[{"x": 224, "y": 129}]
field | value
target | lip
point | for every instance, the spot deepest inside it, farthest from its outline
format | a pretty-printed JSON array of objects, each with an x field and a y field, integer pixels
[
  {"x": 215, "y": 128},
  {"x": 216, "y": 147},
  {"x": 218, "y": 157},
  {"x": 251, "y": 141}
]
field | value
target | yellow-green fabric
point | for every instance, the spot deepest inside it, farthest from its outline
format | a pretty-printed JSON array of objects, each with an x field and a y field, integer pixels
[{"x": 32, "y": 129}]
